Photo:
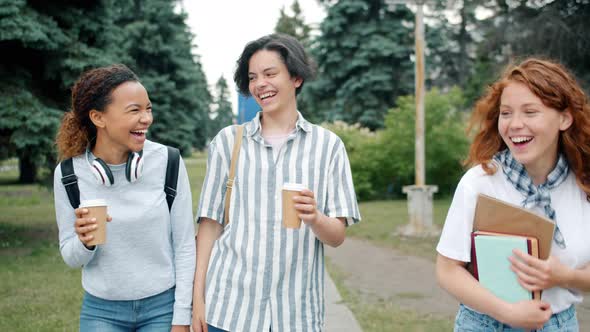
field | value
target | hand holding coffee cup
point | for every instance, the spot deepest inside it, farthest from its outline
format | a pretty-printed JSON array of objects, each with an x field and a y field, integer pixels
[
  {"x": 90, "y": 224},
  {"x": 291, "y": 217},
  {"x": 306, "y": 206},
  {"x": 299, "y": 204}
]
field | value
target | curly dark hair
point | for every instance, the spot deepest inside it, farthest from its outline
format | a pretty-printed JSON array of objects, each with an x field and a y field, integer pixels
[
  {"x": 92, "y": 91},
  {"x": 298, "y": 62}
]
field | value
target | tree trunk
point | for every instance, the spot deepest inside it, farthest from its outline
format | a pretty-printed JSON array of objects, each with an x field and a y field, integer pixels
[
  {"x": 463, "y": 71},
  {"x": 27, "y": 169}
]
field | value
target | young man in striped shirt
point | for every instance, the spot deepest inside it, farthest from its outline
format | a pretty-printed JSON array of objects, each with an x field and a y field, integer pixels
[{"x": 259, "y": 275}]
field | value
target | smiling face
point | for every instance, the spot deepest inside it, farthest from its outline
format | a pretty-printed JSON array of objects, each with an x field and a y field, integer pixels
[
  {"x": 529, "y": 128},
  {"x": 122, "y": 127},
  {"x": 270, "y": 83}
]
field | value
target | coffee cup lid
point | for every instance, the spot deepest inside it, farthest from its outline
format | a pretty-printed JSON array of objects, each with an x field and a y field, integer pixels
[
  {"x": 294, "y": 186},
  {"x": 93, "y": 202}
]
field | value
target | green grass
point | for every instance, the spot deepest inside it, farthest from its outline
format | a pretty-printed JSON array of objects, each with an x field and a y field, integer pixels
[
  {"x": 380, "y": 223},
  {"x": 39, "y": 292},
  {"x": 196, "y": 166},
  {"x": 381, "y": 220}
]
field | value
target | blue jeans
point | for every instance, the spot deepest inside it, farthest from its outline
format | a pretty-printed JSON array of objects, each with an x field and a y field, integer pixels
[
  {"x": 469, "y": 320},
  {"x": 151, "y": 314}
]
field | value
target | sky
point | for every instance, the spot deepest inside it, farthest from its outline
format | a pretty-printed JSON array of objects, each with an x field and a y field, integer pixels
[{"x": 223, "y": 27}]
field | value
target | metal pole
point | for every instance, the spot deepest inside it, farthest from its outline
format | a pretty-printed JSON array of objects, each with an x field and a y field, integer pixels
[{"x": 420, "y": 154}]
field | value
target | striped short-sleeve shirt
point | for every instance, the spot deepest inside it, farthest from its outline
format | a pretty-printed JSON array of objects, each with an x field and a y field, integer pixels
[{"x": 262, "y": 275}]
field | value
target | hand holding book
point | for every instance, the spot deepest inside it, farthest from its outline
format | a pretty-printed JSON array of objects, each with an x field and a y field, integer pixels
[
  {"x": 529, "y": 314},
  {"x": 491, "y": 257},
  {"x": 535, "y": 274},
  {"x": 505, "y": 227}
]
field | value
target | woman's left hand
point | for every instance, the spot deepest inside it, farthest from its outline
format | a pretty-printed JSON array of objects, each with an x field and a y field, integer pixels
[
  {"x": 536, "y": 274},
  {"x": 306, "y": 206},
  {"x": 180, "y": 328}
]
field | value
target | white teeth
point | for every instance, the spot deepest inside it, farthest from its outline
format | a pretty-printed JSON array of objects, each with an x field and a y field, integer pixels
[
  {"x": 520, "y": 139},
  {"x": 266, "y": 95},
  {"x": 140, "y": 131}
]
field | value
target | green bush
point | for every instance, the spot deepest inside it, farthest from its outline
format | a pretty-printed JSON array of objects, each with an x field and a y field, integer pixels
[
  {"x": 445, "y": 139},
  {"x": 360, "y": 146},
  {"x": 382, "y": 162}
]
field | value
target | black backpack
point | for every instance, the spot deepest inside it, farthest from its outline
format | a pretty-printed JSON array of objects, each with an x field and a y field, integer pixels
[{"x": 70, "y": 180}]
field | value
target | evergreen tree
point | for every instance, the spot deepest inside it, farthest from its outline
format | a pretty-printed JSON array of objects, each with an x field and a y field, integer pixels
[
  {"x": 294, "y": 25},
  {"x": 554, "y": 29},
  {"x": 450, "y": 46},
  {"x": 518, "y": 29},
  {"x": 160, "y": 45},
  {"x": 47, "y": 45},
  {"x": 363, "y": 55},
  {"x": 223, "y": 115}
]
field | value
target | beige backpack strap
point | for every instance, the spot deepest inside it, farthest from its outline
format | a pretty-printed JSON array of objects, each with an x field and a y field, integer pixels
[{"x": 232, "y": 171}]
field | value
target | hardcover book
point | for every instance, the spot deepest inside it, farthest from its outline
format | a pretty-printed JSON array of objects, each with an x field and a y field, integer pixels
[{"x": 490, "y": 252}]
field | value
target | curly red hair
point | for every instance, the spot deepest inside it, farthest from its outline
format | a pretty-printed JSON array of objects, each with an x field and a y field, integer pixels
[{"x": 557, "y": 88}]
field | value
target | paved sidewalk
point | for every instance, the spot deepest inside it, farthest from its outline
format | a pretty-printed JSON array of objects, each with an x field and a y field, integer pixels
[
  {"x": 338, "y": 317},
  {"x": 388, "y": 274},
  {"x": 384, "y": 273}
]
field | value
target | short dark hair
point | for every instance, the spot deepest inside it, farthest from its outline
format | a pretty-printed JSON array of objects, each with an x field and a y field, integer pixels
[{"x": 294, "y": 56}]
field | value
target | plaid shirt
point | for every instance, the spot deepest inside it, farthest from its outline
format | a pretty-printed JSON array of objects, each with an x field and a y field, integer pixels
[{"x": 535, "y": 195}]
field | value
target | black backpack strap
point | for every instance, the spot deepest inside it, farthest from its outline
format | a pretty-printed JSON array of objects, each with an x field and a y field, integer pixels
[
  {"x": 171, "y": 175},
  {"x": 70, "y": 182}
]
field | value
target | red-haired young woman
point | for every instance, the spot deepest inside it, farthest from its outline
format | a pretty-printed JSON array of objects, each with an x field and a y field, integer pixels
[{"x": 531, "y": 148}]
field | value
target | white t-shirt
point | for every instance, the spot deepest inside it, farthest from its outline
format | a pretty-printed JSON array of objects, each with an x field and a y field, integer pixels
[
  {"x": 572, "y": 214},
  {"x": 277, "y": 141}
]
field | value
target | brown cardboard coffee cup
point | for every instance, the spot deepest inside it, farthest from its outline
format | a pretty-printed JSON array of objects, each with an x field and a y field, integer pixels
[
  {"x": 97, "y": 208},
  {"x": 290, "y": 215}
]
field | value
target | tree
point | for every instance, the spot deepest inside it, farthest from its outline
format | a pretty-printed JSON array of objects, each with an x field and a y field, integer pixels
[
  {"x": 363, "y": 56},
  {"x": 451, "y": 46},
  {"x": 46, "y": 45},
  {"x": 382, "y": 161},
  {"x": 160, "y": 45},
  {"x": 446, "y": 143},
  {"x": 26, "y": 130},
  {"x": 518, "y": 29},
  {"x": 294, "y": 25},
  {"x": 222, "y": 115}
]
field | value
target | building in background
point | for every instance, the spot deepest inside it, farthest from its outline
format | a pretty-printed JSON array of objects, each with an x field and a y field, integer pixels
[{"x": 247, "y": 108}]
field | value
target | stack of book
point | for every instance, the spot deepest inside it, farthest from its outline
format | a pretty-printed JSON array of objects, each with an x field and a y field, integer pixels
[
  {"x": 498, "y": 229},
  {"x": 489, "y": 255}
]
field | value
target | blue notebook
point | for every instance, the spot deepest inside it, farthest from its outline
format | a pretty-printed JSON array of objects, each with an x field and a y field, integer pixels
[{"x": 493, "y": 266}]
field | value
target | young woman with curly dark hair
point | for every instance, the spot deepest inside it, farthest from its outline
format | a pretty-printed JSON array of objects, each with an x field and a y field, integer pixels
[{"x": 141, "y": 278}]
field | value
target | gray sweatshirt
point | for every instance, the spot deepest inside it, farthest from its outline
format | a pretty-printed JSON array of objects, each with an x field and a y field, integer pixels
[{"x": 148, "y": 249}]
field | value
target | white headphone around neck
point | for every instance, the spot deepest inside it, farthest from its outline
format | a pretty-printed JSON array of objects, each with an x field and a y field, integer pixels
[{"x": 103, "y": 174}]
